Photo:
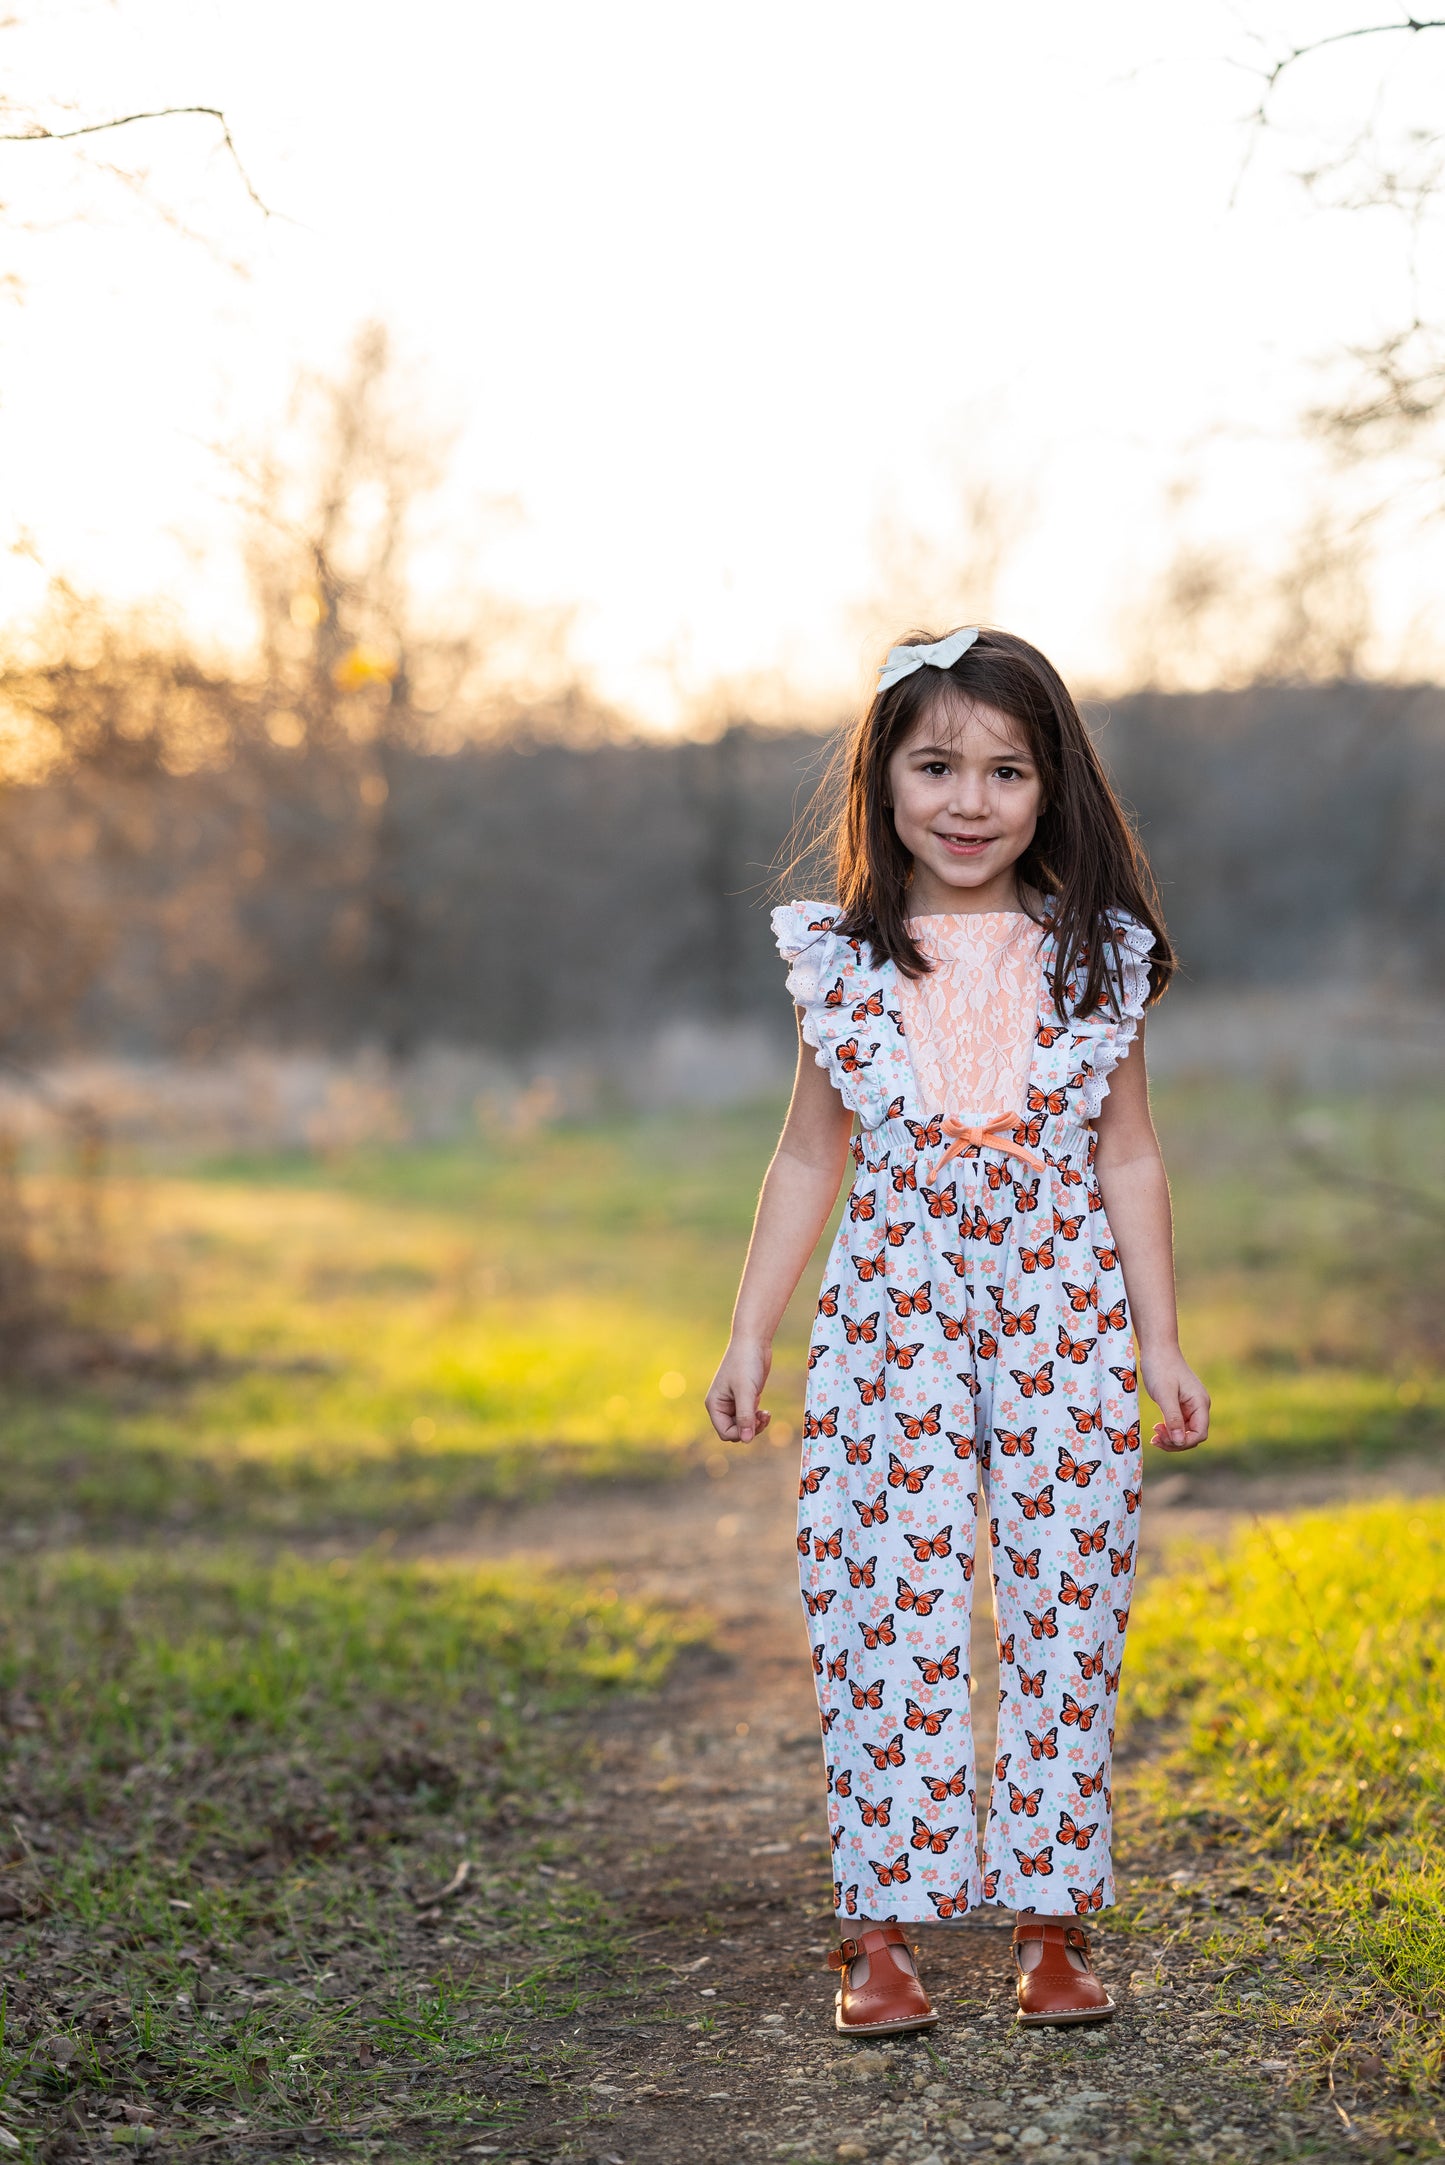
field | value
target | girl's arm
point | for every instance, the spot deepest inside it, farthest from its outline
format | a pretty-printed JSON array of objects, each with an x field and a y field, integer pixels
[
  {"x": 1130, "y": 1173},
  {"x": 798, "y": 1192}
]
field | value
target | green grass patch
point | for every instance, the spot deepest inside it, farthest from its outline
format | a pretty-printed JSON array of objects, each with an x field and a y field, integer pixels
[
  {"x": 233, "y": 1787},
  {"x": 1300, "y": 1673},
  {"x": 393, "y": 1337}
]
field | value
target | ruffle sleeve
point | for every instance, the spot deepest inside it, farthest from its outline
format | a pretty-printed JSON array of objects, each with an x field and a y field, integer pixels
[
  {"x": 849, "y": 1005},
  {"x": 1102, "y": 1039},
  {"x": 808, "y": 944}
]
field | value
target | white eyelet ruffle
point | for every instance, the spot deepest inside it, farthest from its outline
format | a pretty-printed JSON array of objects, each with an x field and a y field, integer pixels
[{"x": 1102, "y": 1038}]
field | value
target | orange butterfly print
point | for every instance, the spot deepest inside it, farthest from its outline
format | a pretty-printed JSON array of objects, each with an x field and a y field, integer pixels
[
  {"x": 1107, "y": 1258},
  {"x": 869, "y": 1267},
  {"x": 1047, "y": 1033},
  {"x": 1025, "y": 1566},
  {"x": 1073, "y": 1836},
  {"x": 936, "y": 1839},
  {"x": 1039, "y": 1383},
  {"x": 1044, "y": 1747},
  {"x": 1040, "y": 1506},
  {"x": 887, "y": 1755},
  {"x": 1040, "y": 1258},
  {"x": 1080, "y": 1471},
  {"x": 926, "y": 1546},
  {"x": 879, "y": 1634},
  {"x": 1044, "y": 1626},
  {"x": 942, "y": 1202},
  {"x": 805, "y": 1540},
  {"x": 893, "y": 1108},
  {"x": 915, "y": 1425},
  {"x": 1005, "y": 1650},
  {"x": 876, "y": 1815},
  {"x": 913, "y": 1301},
  {"x": 1022, "y": 1324},
  {"x": 1020, "y": 1445},
  {"x": 823, "y": 1424},
  {"x": 1132, "y": 1498},
  {"x": 911, "y": 1478},
  {"x": 1068, "y": 1178},
  {"x": 860, "y": 1574},
  {"x": 990, "y": 1885},
  {"x": 934, "y": 1672},
  {"x": 950, "y": 1785},
  {"x": 1068, "y": 1228},
  {"x": 1024, "y": 1802},
  {"x": 1090, "y": 1785},
  {"x": 850, "y": 1902},
  {"x": 1001, "y": 1766},
  {"x": 818, "y": 1659},
  {"x": 1115, "y": 1318},
  {"x": 1026, "y": 1195},
  {"x": 1120, "y": 1561},
  {"x": 828, "y": 1544},
  {"x": 949, "y": 1905},
  {"x": 927, "y": 1135},
  {"x": 902, "y": 1356},
  {"x": 953, "y": 1327},
  {"x": 905, "y": 1178},
  {"x": 850, "y": 1059},
  {"x": 873, "y": 1005},
  {"x": 895, "y": 1235},
  {"x": 1072, "y": 1349},
  {"x": 987, "y": 1347},
  {"x": 1087, "y": 1898},
  {"x": 1096, "y": 1200},
  {"x": 1086, "y": 1419},
  {"x": 929, "y": 1720},
  {"x": 1042, "y": 1862},
  {"x": 1082, "y": 1297},
  {"x": 828, "y": 1718},
  {"x": 1128, "y": 1378},
  {"x": 1124, "y": 1439},
  {"x": 1045, "y": 1101},
  {"x": 838, "y": 1666},
  {"x": 1111, "y": 1679},
  {"x": 871, "y": 1514},
  {"x": 815, "y": 1354},
  {"x": 1071, "y": 1593},
  {"x": 888, "y": 1874},
  {"x": 819, "y": 1604},
  {"x": 841, "y": 1784},
  {"x": 962, "y": 1444},
  {"x": 1121, "y": 1619},
  {"x": 868, "y": 1694},
  {"x": 812, "y": 1481},
  {"x": 864, "y": 1328},
  {"x": 991, "y": 1230},
  {"x": 859, "y": 1449},
  {"x": 1090, "y": 1540},
  {"x": 833, "y": 997},
  {"x": 1072, "y": 1714},
  {"x": 1090, "y": 1664},
  {"x": 872, "y": 1390},
  {"x": 995, "y": 1175},
  {"x": 828, "y": 1301},
  {"x": 916, "y": 1598},
  {"x": 1032, "y": 1686},
  {"x": 861, "y": 1204},
  {"x": 959, "y": 1262}
]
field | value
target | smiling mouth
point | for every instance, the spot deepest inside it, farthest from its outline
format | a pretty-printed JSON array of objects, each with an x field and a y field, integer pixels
[{"x": 968, "y": 844}]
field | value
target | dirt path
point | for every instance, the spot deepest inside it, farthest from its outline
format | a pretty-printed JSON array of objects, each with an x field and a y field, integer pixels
[{"x": 705, "y": 1808}]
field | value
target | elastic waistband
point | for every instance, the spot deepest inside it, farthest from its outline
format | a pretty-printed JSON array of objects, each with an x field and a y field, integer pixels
[{"x": 1064, "y": 1139}]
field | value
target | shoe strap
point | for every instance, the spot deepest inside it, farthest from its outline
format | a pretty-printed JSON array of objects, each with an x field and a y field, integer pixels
[
  {"x": 878, "y": 1935},
  {"x": 1056, "y": 1936}
]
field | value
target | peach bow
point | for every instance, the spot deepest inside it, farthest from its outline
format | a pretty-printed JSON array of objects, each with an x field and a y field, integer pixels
[{"x": 982, "y": 1136}]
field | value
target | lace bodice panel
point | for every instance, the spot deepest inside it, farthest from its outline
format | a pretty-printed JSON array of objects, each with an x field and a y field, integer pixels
[{"x": 970, "y": 1023}]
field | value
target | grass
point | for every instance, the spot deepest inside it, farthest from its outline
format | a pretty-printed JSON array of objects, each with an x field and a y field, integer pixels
[
  {"x": 228, "y": 1779},
  {"x": 1299, "y": 1675},
  {"x": 389, "y": 1338}
]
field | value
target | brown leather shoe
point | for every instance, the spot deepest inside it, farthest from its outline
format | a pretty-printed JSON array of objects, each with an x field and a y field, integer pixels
[
  {"x": 889, "y": 1996},
  {"x": 1061, "y": 1987}
]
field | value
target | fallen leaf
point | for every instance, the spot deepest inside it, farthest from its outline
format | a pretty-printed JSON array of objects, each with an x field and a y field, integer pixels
[
  {"x": 59, "y": 2049},
  {"x": 7, "y": 2140}
]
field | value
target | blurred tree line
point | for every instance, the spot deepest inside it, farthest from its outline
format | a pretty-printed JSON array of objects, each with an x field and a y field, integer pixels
[{"x": 370, "y": 836}]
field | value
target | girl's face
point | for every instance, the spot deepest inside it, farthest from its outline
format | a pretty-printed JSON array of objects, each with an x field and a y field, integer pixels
[{"x": 966, "y": 798}]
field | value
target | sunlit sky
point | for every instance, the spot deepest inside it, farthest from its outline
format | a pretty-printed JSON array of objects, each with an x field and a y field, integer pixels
[{"x": 712, "y": 296}]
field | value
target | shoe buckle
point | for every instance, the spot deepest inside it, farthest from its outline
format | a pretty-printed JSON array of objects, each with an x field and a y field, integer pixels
[{"x": 841, "y": 1956}]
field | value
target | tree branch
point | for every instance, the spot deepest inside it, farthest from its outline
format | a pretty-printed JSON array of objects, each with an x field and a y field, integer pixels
[
  {"x": 1413, "y": 23},
  {"x": 40, "y": 134}
]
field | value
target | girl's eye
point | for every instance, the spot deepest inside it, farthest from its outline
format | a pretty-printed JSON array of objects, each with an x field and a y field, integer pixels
[
  {"x": 1008, "y": 774},
  {"x": 935, "y": 766}
]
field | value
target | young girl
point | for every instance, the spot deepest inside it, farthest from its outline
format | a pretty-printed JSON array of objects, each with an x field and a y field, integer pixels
[{"x": 971, "y": 1001}]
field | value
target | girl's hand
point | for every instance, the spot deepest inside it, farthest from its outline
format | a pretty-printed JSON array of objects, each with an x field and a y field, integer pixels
[
  {"x": 732, "y": 1402},
  {"x": 1180, "y": 1397}
]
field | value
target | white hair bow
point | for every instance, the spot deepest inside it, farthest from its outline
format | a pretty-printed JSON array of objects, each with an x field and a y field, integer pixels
[{"x": 903, "y": 660}]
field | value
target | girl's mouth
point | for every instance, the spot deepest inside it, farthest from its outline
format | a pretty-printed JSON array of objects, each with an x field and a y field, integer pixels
[{"x": 965, "y": 845}]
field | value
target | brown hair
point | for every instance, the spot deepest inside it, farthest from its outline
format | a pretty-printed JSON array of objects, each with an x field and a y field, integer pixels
[{"x": 1084, "y": 857}]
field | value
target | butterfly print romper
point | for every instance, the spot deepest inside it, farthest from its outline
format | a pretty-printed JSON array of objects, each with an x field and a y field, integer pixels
[{"x": 972, "y": 1361}]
